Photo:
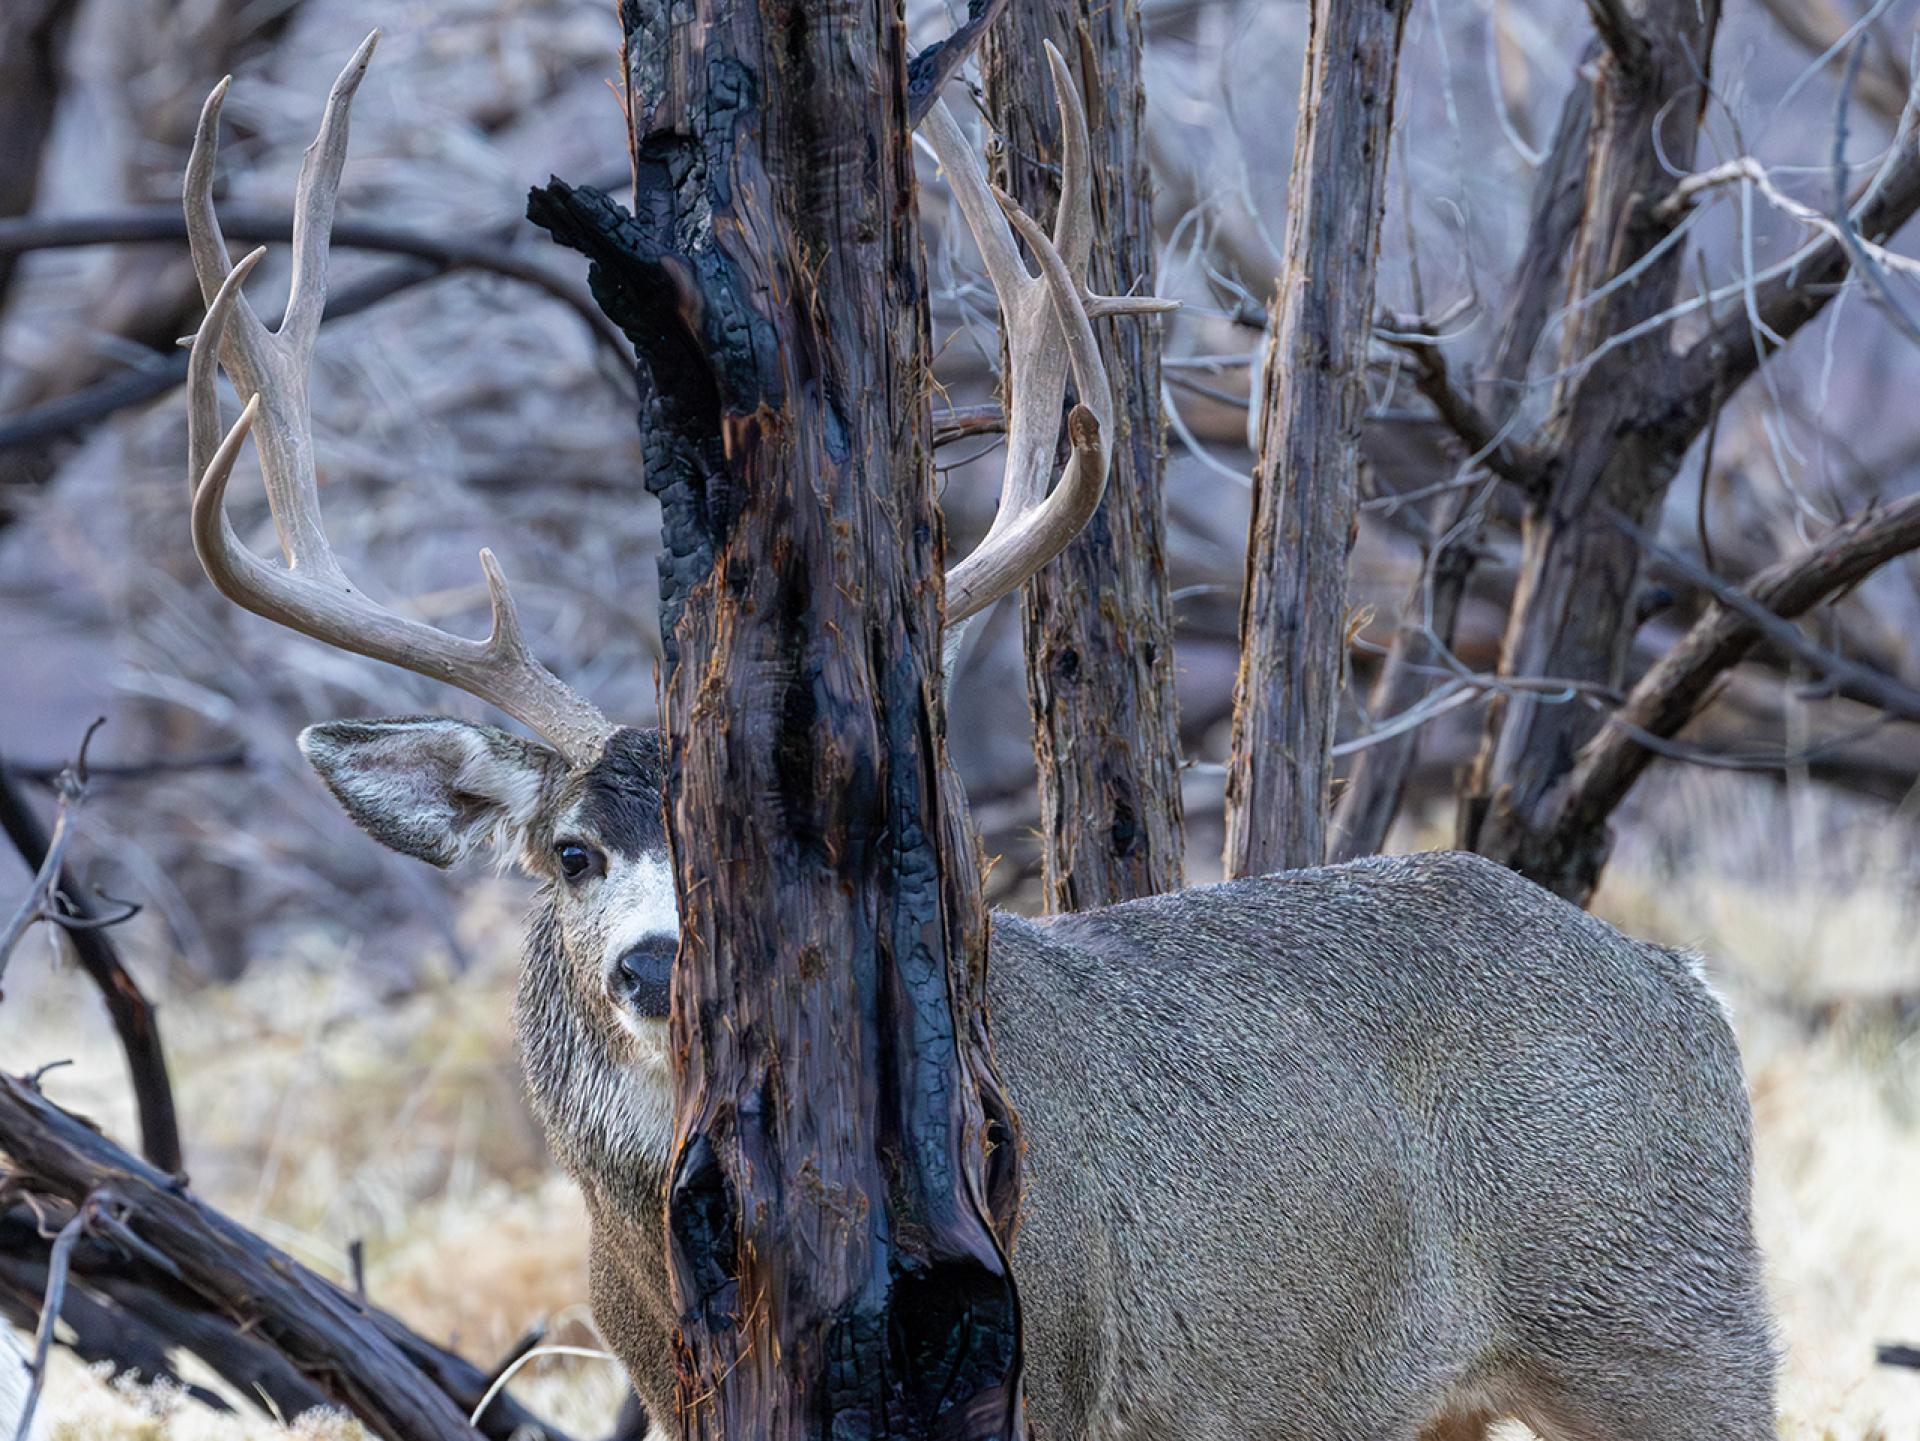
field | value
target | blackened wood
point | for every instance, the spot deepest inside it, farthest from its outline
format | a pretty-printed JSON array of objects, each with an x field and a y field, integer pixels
[
  {"x": 1099, "y": 617},
  {"x": 932, "y": 68},
  {"x": 129, "y": 1009},
  {"x": 1574, "y": 609},
  {"x": 1293, "y": 609},
  {"x": 129, "y": 1316},
  {"x": 832, "y": 1240}
]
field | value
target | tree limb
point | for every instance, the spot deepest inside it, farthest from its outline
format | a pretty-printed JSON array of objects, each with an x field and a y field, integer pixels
[
  {"x": 127, "y": 1005},
  {"x": 318, "y": 1327},
  {"x": 1669, "y": 695},
  {"x": 930, "y": 70},
  {"x": 445, "y": 253}
]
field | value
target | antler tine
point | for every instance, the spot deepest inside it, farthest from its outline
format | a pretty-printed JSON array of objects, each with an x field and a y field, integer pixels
[
  {"x": 312, "y": 595},
  {"x": 1073, "y": 223},
  {"x": 247, "y": 344},
  {"x": 314, "y": 196},
  {"x": 203, "y": 400},
  {"x": 1030, "y": 538},
  {"x": 1049, "y": 335}
]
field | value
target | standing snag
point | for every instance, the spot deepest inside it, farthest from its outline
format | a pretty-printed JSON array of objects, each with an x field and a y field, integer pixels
[
  {"x": 1099, "y": 620},
  {"x": 1293, "y": 611}
]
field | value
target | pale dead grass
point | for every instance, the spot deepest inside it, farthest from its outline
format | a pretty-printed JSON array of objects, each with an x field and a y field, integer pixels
[{"x": 321, "y": 1115}]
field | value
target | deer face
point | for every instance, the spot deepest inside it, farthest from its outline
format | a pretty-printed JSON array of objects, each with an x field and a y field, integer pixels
[{"x": 594, "y": 995}]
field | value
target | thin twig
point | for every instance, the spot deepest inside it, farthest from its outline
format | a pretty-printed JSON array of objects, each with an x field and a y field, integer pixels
[
  {"x": 58, "y": 1260},
  {"x": 39, "y": 902},
  {"x": 127, "y": 1005},
  {"x": 1863, "y": 259},
  {"x": 46, "y": 773},
  {"x": 445, "y": 253}
]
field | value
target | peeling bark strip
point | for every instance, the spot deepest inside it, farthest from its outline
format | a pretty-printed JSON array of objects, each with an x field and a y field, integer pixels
[
  {"x": 832, "y": 1242},
  {"x": 1099, "y": 618},
  {"x": 1293, "y": 609},
  {"x": 1573, "y": 608}
]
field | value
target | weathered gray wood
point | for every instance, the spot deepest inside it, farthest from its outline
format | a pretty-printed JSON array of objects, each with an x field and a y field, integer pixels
[
  {"x": 1099, "y": 617},
  {"x": 331, "y": 1339},
  {"x": 1293, "y": 611},
  {"x": 1377, "y": 779},
  {"x": 1574, "y": 605}
]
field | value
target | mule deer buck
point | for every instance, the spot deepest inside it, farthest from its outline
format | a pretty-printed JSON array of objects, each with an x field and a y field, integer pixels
[{"x": 1384, "y": 1150}]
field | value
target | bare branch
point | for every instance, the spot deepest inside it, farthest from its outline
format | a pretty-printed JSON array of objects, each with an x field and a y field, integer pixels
[
  {"x": 1670, "y": 694},
  {"x": 930, "y": 70},
  {"x": 1731, "y": 350},
  {"x": 446, "y": 253},
  {"x": 127, "y": 1005},
  {"x": 57, "y": 1262}
]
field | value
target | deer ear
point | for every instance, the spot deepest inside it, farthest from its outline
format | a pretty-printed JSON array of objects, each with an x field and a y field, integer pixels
[{"x": 435, "y": 788}]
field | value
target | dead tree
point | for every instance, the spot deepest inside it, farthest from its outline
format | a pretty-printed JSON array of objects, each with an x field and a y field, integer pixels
[
  {"x": 1626, "y": 407},
  {"x": 1099, "y": 618},
  {"x": 832, "y": 1233},
  {"x": 1575, "y": 603},
  {"x": 1293, "y": 607}
]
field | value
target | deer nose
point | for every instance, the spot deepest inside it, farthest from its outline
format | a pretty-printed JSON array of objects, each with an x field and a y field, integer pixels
[{"x": 643, "y": 975}]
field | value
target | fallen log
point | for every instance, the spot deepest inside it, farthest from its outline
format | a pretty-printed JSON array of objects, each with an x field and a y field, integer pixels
[{"x": 355, "y": 1356}]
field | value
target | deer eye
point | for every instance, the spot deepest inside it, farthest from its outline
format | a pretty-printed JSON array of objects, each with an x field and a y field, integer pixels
[{"x": 579, "y": 861}]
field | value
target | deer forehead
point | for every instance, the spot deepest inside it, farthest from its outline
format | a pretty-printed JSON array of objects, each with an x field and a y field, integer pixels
[{"x": 615, "y": 802}]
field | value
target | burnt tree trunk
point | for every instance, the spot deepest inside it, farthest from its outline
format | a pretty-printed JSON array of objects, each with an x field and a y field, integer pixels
[
  {"x": 1293, "y": 607},
  {"x": 1099, "y": 617},
  {"x": 831, "y": 1208},
  {"x": 1574, "y": 606}
]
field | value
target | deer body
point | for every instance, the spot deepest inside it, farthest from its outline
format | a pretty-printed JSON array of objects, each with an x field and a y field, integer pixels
[
  {"x": 1381, "y": 1151},
  {"x": 1371, "y": 1151}
]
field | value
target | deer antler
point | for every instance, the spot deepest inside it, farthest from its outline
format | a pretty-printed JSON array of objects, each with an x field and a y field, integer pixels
[
  {"x": 1048, "y": 320},
  {"x": 312, "y": 594}
]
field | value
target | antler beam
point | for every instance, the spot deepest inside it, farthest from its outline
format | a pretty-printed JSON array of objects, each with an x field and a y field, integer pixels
[
  {"x": 311, "y": 593},
  {"x": 1049, "y": 336}
]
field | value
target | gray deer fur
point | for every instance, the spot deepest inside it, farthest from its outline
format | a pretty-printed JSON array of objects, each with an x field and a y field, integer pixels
[{"x": 1377, "y": 1151}]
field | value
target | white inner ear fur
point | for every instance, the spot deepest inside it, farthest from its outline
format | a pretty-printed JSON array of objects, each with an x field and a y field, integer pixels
[{"x": 437, "y": 789}]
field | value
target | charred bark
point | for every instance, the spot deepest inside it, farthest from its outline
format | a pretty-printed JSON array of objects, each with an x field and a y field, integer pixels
[
  {"x": 832, "y": 1205},
  {"x": 1099, "y": 618},
  {"x": 1293, "y": 608}
]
